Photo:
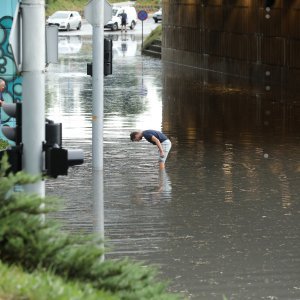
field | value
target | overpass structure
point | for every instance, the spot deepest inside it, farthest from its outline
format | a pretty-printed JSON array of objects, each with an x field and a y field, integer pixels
[
  {"x": 231, "y": 68},
  {"x": 254, "y": 39}
]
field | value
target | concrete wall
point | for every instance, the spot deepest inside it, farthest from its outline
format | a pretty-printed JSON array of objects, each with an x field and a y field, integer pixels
[{"x": 241, "y": 38}]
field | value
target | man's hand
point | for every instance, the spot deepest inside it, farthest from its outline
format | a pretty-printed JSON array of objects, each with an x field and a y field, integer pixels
[{"x": 158, "y": 144}]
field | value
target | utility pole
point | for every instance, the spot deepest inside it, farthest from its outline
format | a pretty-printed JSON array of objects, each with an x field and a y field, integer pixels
[
  {"x": 94, "y": 13},
  {"x": 98, "y": 78},
  {"x": 33, "y": 72}
]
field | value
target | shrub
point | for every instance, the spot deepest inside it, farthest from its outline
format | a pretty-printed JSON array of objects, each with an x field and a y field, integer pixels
[
  {"x": 41, "y": 285},
  {"x": 35, "y": 243}
]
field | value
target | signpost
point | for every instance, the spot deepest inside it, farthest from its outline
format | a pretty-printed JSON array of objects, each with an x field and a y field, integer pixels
[
  {"x": 142, "y": 15},
  {"x": 97, "y": 12}
]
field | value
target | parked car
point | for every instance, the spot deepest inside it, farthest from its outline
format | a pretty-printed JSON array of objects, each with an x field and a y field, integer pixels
[
  {"x": 157, "y": 16},
  {"x": 65, "y": 20},
  {"x": 115, "y": 22}
]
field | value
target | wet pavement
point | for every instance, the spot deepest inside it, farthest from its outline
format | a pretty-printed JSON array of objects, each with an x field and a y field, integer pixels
[{"x": 223, "y": 219}]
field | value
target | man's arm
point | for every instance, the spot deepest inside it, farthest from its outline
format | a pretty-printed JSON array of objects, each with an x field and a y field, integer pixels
[{"x": 158, "y": 144}]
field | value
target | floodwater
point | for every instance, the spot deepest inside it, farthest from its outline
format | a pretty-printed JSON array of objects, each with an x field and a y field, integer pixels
[{"x": 223, "y": 219}]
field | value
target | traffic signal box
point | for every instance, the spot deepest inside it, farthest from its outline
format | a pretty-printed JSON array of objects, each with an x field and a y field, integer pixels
[
  {"x": 107, "y": 59},
  {"x": 107, "y": 56},
  {"x": 57, "y": 159}
]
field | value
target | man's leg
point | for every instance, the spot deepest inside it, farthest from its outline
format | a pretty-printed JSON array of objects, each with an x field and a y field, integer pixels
[{"x": 166, "y": 147}]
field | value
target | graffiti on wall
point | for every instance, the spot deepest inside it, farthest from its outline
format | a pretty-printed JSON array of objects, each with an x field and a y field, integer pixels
[{"x": 8, "y": 71}]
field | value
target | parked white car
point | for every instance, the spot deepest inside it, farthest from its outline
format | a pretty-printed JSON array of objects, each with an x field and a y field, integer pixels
[
  {"x": 115, "y": 22},
  {"x": 157, "y": 16},
  {"x": 65, "y": 20}
]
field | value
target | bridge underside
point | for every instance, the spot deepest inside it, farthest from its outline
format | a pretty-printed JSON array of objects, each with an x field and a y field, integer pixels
[
  {"x": 232, "y": 67},
  {"x": 258, "y": 40}
]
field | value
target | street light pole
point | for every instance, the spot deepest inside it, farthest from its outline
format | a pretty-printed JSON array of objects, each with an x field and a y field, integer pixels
[
  {"x": 94, "y": 13},
  {"x": 98, "y": 77},
  {"x": 33, "y": 90}
]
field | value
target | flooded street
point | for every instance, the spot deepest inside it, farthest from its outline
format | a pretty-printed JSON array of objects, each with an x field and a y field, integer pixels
[{"x": 223, "y": 219}]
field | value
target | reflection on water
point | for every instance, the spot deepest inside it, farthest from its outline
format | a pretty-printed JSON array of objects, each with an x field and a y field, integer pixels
[
  {"x": 124, "y": 44},
  {"x": 238, "y": 151},
  {"x": 227, "y": 168},
  {"x": 156, "y": 193},
  {"x": 223, "y": 218},
  {"x": 69, "y": 44}
]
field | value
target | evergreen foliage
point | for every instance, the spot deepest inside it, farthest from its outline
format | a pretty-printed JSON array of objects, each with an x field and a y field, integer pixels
[
  {"x": 34, "y": 242},
  {"x": 41, "y": 285}
]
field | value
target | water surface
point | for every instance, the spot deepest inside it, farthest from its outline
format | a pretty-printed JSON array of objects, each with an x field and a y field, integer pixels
[{"x": 223, "y": 219}]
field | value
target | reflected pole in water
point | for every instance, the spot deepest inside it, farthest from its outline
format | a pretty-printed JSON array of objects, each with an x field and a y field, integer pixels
[{"x": 94, "y": 13}]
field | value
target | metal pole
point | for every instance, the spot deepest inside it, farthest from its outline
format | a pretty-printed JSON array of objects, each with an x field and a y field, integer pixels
[
  {"x": 98, "y": 77},
  {"x": 33, "y": 109},
  {"x": 98, "y": 113},
  {"x": 94, "y": 13},
  {"x": 142, "y": 35}
]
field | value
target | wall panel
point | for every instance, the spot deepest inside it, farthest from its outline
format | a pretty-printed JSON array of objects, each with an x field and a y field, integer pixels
[{"x": 238, "y": 37}]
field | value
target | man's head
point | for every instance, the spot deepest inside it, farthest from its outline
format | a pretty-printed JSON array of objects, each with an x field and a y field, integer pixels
[
  {"x": 2, "y": 85},
  {"x": 136, "y": 136}
]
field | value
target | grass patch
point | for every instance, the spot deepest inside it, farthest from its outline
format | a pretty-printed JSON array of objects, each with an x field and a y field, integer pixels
[
  {"x": 154, "y": 35},
  {"x": 54, "y": 5},
  {"x": 78, "y": 5}
]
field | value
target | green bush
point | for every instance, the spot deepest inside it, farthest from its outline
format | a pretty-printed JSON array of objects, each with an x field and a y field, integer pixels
[
  {"x": 36, "y": 243},
  {"x": 41, "y": 285}
]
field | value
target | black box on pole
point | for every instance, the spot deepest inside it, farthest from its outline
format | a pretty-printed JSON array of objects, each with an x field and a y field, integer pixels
[
  {"x": 107, "y": 67},
  {"x": 107, "y": 56}
]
